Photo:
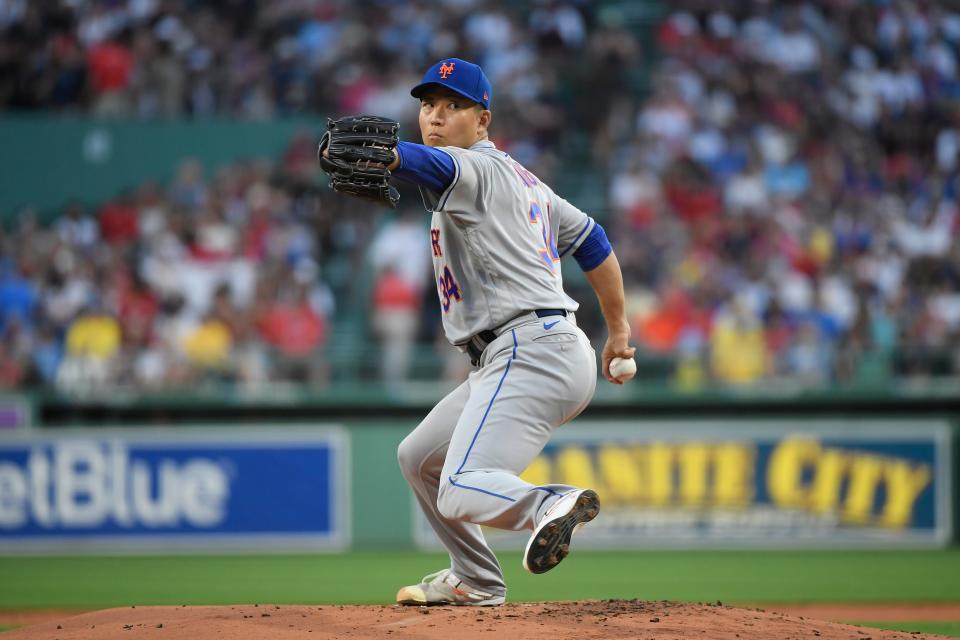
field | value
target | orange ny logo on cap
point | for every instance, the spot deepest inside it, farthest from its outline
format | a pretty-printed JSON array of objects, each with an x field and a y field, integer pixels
[{"x": 446, "y": 69}]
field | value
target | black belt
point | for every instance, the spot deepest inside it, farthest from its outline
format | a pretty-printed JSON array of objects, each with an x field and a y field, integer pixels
[{"x": 479, "y": 341}]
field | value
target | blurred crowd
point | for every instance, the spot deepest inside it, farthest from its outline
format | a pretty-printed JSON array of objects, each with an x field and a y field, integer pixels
[
  {"x": 209, "y": 279},
  {"x": 257, "y": 60},
  {"x": 233, "y": 276},
  {"x": 785, "y": 201},
  {"x": 781, "y": 191}
]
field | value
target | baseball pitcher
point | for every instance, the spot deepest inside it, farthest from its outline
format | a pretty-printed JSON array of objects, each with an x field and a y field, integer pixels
[{"x": 498, "y": 234}]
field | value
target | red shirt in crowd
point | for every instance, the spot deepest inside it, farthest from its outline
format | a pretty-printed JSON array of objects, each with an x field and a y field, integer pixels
[
  {"x": 294, "y": 329},
  {"x": 693, "y": 204},
  {"x": 393, "y": 292},
  {"x": 118, "y": 222},
  {"x": 110, "y": 66}
]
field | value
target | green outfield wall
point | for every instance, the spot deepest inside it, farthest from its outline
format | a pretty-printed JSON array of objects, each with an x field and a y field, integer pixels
[{"x": 47, "y": 161}]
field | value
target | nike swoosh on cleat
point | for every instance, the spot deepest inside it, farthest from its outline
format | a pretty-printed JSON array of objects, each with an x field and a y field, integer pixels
[{"x": 550, "y": 325}]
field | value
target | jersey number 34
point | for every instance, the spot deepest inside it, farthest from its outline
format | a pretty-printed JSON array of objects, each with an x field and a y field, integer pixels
[{"x": 449, "y": 289}]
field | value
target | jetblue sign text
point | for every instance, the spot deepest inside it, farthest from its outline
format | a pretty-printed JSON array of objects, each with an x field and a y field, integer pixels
[{"x": 182, "y": 489}]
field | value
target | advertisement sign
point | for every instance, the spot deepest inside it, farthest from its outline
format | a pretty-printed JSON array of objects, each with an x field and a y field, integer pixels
[
  {"x": 179, "y": 489},
  {"x": 810, "y": 483}
]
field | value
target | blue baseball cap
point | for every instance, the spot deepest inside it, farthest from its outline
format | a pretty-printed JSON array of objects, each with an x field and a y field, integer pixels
[{"x": 459, "y": 76}]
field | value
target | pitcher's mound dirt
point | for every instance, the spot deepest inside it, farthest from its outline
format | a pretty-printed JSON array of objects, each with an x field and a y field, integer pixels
[{"x": 634, "y": 619}]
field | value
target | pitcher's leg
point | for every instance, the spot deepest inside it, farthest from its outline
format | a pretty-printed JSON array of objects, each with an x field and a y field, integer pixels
[
  {"x": 421, "y": 456},
  {"x": 516, "y": 401}
]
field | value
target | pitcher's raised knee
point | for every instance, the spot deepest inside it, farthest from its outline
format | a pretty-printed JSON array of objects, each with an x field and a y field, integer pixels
[{"x": 410, "y": 458}]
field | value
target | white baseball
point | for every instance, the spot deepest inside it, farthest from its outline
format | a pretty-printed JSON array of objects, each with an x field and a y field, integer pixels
[{"x": 623, "y": 368}]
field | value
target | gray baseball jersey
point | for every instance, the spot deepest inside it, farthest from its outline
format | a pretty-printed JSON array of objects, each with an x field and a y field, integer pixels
[
  {"x": 498, "y": 234},
  {"x": 497, "y": 237}
]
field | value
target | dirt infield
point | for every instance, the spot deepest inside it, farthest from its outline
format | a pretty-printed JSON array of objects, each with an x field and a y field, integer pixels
[
  {"x": 634, "y": 619},
  {"x": 875, "y": 612}
]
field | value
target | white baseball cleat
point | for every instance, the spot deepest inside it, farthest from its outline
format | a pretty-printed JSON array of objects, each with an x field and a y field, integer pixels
[
  {"x": 443, "y": 587},
  {"x": 550, "y": 542}
]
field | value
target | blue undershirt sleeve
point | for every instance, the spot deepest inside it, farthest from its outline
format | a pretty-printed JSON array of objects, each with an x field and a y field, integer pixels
[
  {"x": 424, "y": 166},
  {"x": 593, "y": 250}
]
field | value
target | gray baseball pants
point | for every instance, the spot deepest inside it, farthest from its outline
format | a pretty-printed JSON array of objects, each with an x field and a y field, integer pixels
[{"x": 463, "y": 459}]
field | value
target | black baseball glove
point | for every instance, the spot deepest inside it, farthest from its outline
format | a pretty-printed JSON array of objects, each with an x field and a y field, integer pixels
[{"x": 359, "y": 150}]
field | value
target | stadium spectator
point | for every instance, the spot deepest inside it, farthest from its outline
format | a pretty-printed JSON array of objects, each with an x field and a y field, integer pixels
[
  {"x": 296, "y": 331},
  {"x": 400, "y": 257},
  {"x": 394, "y": 320},
  {"x": 111, "y": 65}
]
